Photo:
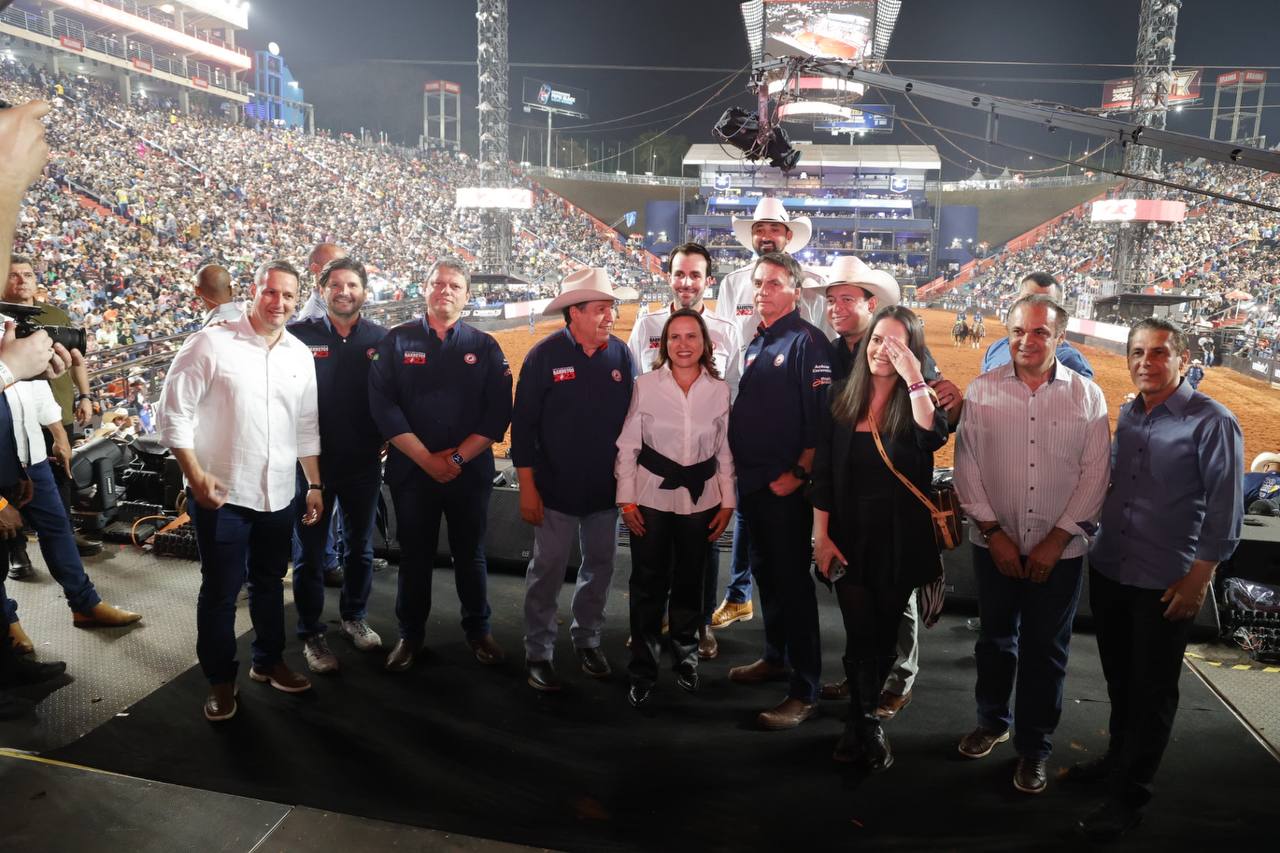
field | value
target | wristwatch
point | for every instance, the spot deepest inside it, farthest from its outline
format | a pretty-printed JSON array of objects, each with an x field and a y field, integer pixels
[
  {"x": 458, "y": 460},
  {"x": 989, "y": 531},
  {"x": 315, "y": 486},
  {"x": 799, "y": 473}
]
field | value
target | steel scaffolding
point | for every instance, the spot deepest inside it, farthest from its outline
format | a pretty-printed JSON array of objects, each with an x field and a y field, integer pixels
[
  {"x": 491, "y": 47},
  {"x": 1152, "y": 79}
]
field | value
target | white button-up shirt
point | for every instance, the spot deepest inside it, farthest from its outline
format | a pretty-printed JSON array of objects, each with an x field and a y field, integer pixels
[
  {"x": 226, "y": 312},
  {"x": 248, "y": 411},
  {"x": 646, "y": 335},
  {"x": 1034, "y": 460},
  {"x": 686, "y": 429},
  {"x": 33, "y": 406}
]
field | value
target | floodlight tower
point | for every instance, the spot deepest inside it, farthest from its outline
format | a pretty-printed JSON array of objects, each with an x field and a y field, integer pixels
[
  {"x": 491, "y": 62},
  {"x": 1152, "y": 79}
]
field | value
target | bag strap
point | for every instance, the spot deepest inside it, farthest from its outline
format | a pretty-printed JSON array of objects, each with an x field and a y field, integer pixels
[{"x": 875, "y": 434}]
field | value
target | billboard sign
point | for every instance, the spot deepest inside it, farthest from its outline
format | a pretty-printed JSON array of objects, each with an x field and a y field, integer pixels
[
  {"x": 1184, "y": 89},
  {"x": 1249, "y": 77},
  {"x": 495, "y": 198},
  {"x": 141, "y": 64},
  {"x": 71, "y": 43},
  {"x": 555, "y": 97},
  {"x": 1137, "y": 210},
  {"x": 840, "y": 29},
  {"x": 446, "y": 86},
  {"x": 876, "y": 118}
]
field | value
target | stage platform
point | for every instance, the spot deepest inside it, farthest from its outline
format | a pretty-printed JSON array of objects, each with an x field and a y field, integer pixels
[{"x": 453, "y": 755}]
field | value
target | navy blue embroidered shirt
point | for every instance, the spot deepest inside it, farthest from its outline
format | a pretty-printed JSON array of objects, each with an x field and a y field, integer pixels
[
  {"x": 342, "y": 364},
  {"x": 441, "y": 391},
  {"x": 568, "y": 414},
  {"x": 780, "y": 402}
]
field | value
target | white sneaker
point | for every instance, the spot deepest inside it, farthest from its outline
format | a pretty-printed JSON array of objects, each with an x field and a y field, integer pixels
[
  {"x": 316, "y": 652},
  {"x": 361, "y": 635}
]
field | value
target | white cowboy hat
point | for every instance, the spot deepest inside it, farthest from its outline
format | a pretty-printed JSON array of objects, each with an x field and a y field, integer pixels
[
  {"x": 771, "y": 210},
  {"x": 850, "y": 269},
  {"x": 588, "y": 284},
  {"x": 1262, "y": 459}
]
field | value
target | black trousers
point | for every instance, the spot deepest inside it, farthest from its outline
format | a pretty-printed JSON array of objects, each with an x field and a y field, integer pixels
[
  {"x": 1141, "y": 655},
  {"x": 668, "y": 567}
]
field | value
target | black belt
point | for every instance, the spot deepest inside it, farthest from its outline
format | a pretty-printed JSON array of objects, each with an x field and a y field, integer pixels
[{"x": 674, "y": 475}]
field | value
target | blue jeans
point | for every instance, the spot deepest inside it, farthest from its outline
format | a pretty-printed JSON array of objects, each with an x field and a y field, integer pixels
[
  {"x": 334, "y": 555},
  {"x": 48, "y": 517},
  {"x": 420, "y": 503},
  {"x": 354, "y": 488},
  {"x": 739, "y": 588},
  {"x": 1025, "y": 637},
  {"x": 780, "y": 554},
  {"x": 238, "y": 544}
]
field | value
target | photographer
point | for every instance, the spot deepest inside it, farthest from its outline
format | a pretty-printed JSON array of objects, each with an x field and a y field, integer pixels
[
  {"x": 70, "y": 391},
  {"x": 22, "y": 155}
]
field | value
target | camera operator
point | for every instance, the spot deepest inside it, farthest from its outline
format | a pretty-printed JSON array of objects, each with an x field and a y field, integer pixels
[
  {"x": 70, "y": 391},
  {"x": 23, "y": 153}
]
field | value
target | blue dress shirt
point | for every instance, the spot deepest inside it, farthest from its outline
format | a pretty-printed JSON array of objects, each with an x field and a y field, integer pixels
[{"x": 1175, "y": 493}]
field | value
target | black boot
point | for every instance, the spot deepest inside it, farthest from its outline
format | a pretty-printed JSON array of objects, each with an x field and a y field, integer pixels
[
  {"x": 850, "y": 748},
  {"x": 11, "y": 707},
  {"x": 877, "y": 756},
  {"x": 20, "y": 568}
]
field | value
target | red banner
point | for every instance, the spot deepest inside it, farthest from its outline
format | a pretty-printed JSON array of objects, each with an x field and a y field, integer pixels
[
  {"x": 141, "y": 64},
  {"x": 446, "y": 86},
  {"x": 71, "y": 43},
  {"x": 1249, "y": 76},
  {"x": 1184, "y": 89},
  {"x": 200, "y": 82}
]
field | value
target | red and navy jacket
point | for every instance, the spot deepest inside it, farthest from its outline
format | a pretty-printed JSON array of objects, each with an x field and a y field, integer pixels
[
  {"x": 441, "y": 391},
  {"x": 568, "y": 414},
  {"x": 347, "y": 430}
]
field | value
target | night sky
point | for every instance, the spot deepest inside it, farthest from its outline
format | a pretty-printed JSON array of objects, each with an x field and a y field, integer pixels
[{"x": 330, "y": 46}]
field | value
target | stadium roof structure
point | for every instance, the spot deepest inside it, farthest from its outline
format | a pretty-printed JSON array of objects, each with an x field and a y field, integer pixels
[{"x": 818, "y": 157}]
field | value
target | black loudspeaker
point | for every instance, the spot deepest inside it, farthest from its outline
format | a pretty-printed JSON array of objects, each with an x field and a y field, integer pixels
[
  {"x": 1257, "y": 557},
  {"x": 508, "y": 539},
  {"x": 962, "y": 592}
]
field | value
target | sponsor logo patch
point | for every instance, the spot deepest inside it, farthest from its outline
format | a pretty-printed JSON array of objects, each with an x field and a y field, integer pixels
[
  {"x": 654, "y": 340},
  {"x": 469, "y": 358},
  {"x": 824, "y": 380},
  {"x": 778, "y": 359},
  {"x": 617, "y": 375},
  {"x": 372, "y": 353},
  {"x": 746, "y": 310},
  {"x": 414, "y": 357},
  {"x": 319, "y": 350},
  {"x": 563, "y": 374}
]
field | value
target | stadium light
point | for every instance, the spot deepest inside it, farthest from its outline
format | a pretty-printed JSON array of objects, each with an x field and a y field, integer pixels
[{"x": 167, "y": 8}]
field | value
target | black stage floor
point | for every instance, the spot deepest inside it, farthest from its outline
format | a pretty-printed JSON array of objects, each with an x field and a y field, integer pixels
[{"x": 455, "y": 746}]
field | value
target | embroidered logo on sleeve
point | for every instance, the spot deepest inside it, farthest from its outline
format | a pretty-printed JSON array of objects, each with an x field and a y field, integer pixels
[
  {"x": 372, "y": 353},
  {"x": 779, "y": 359},
  {"x": 415, "y": 357},
  {"x": 563, "y": 374},
  {"x": 746, "y": 310},
  {"x": 654, "y": 340}
]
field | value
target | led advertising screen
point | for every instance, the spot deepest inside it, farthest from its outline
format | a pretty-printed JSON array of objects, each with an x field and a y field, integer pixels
[
  {"x": 838, "y": 29},
  {"x": 1185, "y": 89},
  {"x": 554, "y": 96}
]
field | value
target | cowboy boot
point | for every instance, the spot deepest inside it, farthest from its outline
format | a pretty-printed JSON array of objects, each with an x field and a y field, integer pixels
[
  {"x": 850, "y": 748},
  {"x": 877, "y": 756}
]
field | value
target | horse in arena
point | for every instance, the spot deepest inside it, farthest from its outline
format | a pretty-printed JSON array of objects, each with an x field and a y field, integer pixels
[
  {"x": 976, "y": 333},
  {"x": 960, "y": 332}
]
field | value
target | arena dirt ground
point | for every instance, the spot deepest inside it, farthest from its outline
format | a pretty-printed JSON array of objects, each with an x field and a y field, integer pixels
[{"x": 1255, "y": 403}]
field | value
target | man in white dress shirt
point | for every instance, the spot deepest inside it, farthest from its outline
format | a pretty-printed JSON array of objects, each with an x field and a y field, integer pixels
[
  {"x": 238, "y": 410},
  {"x": 1032, "y": 467},
  {"x": 689, "y": 274},
  {"x": 213, "y": 286}
]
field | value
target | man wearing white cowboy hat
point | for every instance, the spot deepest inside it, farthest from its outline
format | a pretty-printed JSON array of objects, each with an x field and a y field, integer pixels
[
  {"x": 1195, "y": 373},
  {"x": 770, "y": 229},
  {"x": 571, "y": 401},
  {"x": 854, "y": 293},
  {"x": 1262, "y": 485}
]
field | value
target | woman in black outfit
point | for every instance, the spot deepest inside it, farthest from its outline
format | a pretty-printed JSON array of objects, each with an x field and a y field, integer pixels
[{"x": 872, "y": 536}]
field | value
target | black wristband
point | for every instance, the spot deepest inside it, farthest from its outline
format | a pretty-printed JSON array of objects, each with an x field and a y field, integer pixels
[{"x": 315, "y": 486}]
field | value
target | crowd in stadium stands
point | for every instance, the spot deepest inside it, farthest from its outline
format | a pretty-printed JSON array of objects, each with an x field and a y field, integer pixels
[
  {"x": 1224, "y": 253},
  {"x": 176, "y": 191}
]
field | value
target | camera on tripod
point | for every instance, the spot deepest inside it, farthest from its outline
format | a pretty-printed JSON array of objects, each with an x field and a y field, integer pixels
[{"x": 24, "y": 315}]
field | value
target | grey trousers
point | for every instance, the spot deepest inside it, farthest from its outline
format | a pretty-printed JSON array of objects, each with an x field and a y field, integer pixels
[
  {"x": 905, "y": 668},
  {"x": 598, "y": 536}
]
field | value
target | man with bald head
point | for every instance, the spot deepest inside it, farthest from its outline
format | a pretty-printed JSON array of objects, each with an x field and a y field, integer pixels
[
  {"x": 213, "y": 286},
  {"x": 320, "y": 256}
]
